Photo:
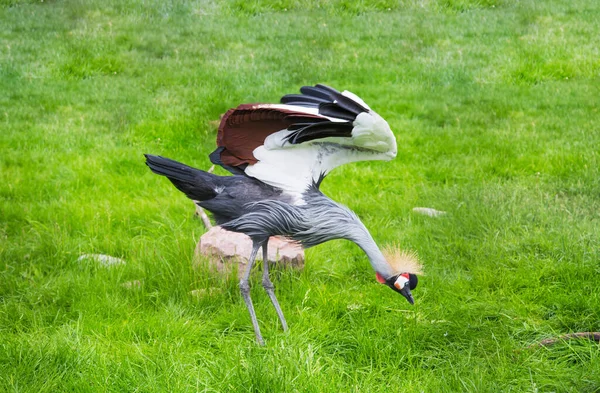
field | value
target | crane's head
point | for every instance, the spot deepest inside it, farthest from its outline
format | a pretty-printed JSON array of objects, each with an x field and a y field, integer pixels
[{"x": 406, "y": 267}]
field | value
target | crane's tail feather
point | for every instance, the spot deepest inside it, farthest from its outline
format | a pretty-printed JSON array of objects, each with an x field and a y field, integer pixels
[{"x": 196, "y": 184}]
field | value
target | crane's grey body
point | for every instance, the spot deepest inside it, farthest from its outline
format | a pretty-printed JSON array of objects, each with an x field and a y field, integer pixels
[
  {"x": 234, "y": 196},
  {"x": 309, "y": 224}
]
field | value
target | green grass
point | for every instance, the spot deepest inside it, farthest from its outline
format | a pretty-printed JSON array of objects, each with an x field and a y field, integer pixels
[{"x": 495, "y": 108}]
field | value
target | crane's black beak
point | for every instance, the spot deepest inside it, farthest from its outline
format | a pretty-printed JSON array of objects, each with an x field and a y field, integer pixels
[
  {"x": 406, "y": 281},
  {"x": 407, "y": 294}
]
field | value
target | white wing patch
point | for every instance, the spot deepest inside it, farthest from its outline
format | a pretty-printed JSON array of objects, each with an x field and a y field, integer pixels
[
  {"x": 275, "y": 141},
  {"x": 290, "y": 172},
  {"x": 294, "y": 168},
  {"x": 372, "y": 132}
]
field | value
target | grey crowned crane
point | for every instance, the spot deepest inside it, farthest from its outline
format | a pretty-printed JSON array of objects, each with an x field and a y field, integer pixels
[{"x": 278, "y": 155}]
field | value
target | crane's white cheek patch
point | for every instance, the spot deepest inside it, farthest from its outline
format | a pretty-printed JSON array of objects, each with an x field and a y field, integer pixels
[{"x": 400, "y": 282}]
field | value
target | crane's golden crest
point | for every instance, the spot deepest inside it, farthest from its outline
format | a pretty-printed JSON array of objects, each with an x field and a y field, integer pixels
[{"x": 403, "y": 261}]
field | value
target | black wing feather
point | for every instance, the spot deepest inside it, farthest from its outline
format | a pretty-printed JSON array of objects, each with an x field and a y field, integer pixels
[
  {"x": 330, "y": 103},
  {"x": 320, "y": 131},
  {"x": 302, "y": 100},
  {"x": 319, "y": 91},
  {"x": 342, "y": 101},
  {"x": 334, "y": 110}
]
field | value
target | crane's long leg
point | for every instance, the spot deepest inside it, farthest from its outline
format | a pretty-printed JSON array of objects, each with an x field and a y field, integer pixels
[
  {"x": 268, "y": 285},
  {"x": 245, "y": 290}
]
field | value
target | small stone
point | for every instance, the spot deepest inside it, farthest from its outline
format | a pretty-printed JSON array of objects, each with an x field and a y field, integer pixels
[
  {"x": 224, "y": 247},
  {"x": 427, "y": 211},
  {"x": 134, "y": 284},
  {"x": 205, "y": 292},
  {"x": 103, "y": 260}
]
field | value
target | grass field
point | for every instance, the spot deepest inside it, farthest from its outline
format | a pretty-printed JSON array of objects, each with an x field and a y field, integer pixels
[{"x": 495, "y": 108}]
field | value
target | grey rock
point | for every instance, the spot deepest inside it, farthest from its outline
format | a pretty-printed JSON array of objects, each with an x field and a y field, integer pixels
[{"x": 225, "y": 249}]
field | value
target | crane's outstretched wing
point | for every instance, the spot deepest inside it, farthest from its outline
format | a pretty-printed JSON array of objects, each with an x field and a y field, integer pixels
[{"x": 293, "y": 145}]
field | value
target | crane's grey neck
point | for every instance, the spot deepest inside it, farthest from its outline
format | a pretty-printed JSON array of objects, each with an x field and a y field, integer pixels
[
  {"x": 365, "y": 241},
  {"x": 331, "y": 220}
]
